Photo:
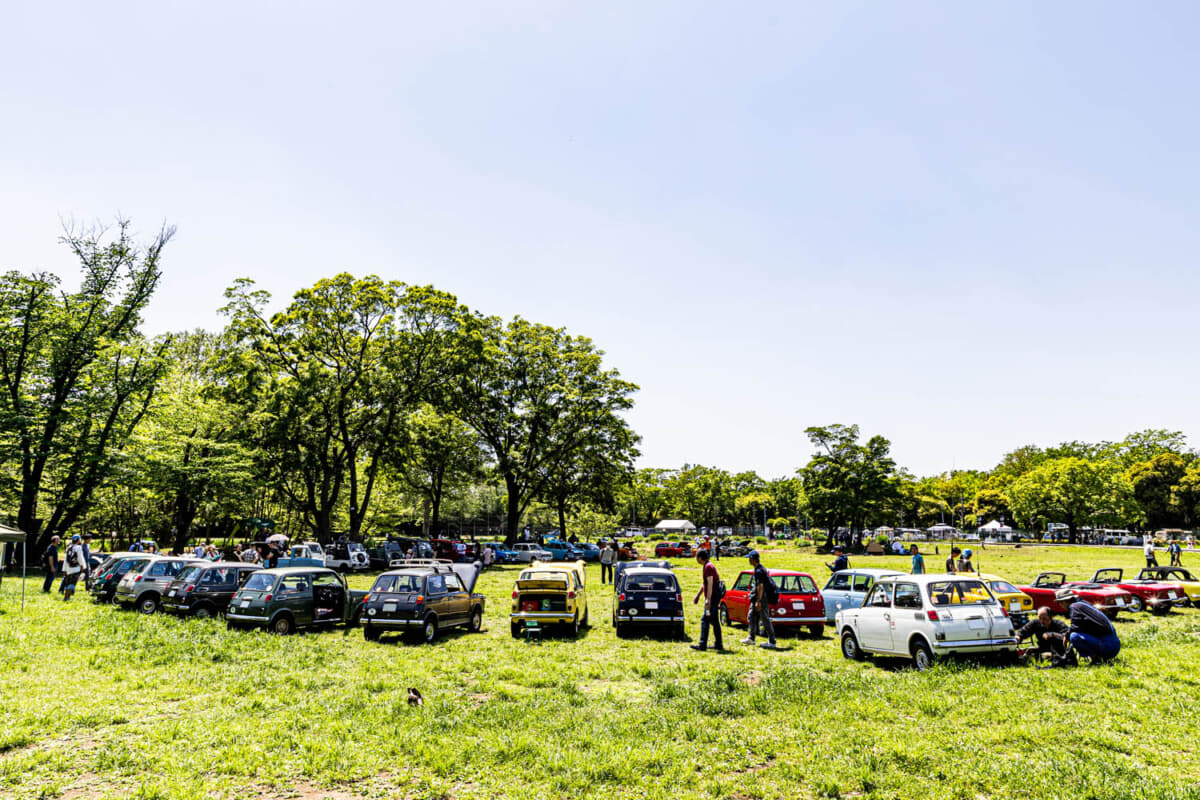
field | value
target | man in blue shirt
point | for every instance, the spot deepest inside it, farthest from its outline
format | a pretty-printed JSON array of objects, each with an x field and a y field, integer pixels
[
  {"x": 918, "y": 560},
  {"x": 840, "y": 562},
  {"x": 1092, "y": 635}
]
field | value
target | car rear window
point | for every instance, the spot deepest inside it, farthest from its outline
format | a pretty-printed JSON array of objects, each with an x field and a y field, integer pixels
[
  {"x": 795, "y": 584},
  {"x": 651, "y": 583},
  {"x": 543, "y": 575},
  {"x": 189, "y": 572},
  {"x": 260, "y": 583},
  {"x": 959, "y": 593},
  {"x": 397, "y": 584}
]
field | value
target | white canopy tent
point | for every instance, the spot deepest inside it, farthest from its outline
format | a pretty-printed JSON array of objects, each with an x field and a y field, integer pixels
[
  {"x": 675, "y": 526},
  {"x": 13, "y": 536},
  {"x": 942, "y": 531},
  {"x": 995, "y": 527}
]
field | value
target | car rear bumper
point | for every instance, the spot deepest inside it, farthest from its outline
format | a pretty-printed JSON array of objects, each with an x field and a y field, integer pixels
[
  {"x": 647, "y": 618},
  {"x": 241, "y": 616},
  {"x": 376, "y": 622},
  {"x": 541, "y": 616},
  {"x": 976, "y": 646},
  {"x": 798, "y": 620}
]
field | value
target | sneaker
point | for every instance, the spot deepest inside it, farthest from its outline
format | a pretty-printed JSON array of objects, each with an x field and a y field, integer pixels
[
  {"x": 699, "y": 647},
  {"x": 768, "y": 645},
  {"x": 748, "y": 640}
]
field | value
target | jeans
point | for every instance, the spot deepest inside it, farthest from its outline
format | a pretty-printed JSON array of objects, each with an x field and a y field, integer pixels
[
  {"x": 1151, "y": 561},
  {"x": 48, "y": 583},
  {"x": 711, "y": 618},
  {"x": 606, "y": 573},
  {"x": 1097, "y": 648},
  {"x": 760, "y": 622}
]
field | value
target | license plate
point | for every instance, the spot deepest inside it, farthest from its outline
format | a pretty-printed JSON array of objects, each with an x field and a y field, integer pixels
[
  {"x": 1171, "y": 595},
  {"x": 798, "y": 606},
  {"x": 1120, "y": 601},
  {"x": 1015, "y": 605},
  {"x": 389, "y": 608},
  {"x": 652, "y": 604},
  {"x": 245, "y": 604},
  {"x": 976, "y": 622}
]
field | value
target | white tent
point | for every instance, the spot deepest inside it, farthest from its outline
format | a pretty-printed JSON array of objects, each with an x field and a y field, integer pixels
[
  {"x": 12, "y": 535},
  {"x": 994, "y": 527},
  {"x": 675, "y": 526},
  {"x": 943, "y": 530}
]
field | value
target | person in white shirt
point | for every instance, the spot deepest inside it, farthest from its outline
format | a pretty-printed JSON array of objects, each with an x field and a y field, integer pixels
[
  {"x": 607, "y": 555},
  {"x": 1148, "y": 550},
  {"x": 72, "y": 566}
]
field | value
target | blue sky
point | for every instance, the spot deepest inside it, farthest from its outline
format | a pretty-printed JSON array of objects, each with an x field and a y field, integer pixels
[{"x": 964, "y": 226}]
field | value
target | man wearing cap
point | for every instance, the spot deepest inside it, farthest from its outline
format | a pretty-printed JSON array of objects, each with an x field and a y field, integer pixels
[
  {"x": 840, "y": 562},
  {"x": 72, "y": 567},
  {"x": 1091, "y": 635},
  {"x": 710, "y": 588},
  {"x": 760, "y": 604}
]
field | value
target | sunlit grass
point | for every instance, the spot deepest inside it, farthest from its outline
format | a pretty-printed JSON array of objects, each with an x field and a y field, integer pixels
[{"x": 103, "y": 703}]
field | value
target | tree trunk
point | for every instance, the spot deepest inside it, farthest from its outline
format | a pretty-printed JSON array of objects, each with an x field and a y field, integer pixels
[
  {"x": 425, "y": 528},
  {"x": 562, "y": 521},
  {"x": 513, "y": 516}
]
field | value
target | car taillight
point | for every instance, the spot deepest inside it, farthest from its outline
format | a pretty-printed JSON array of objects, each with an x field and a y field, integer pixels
[
  {"x": 1004, "y": 611},
  {"x": 514, "y": 594},
  {"x": 933, "y": 617},
  {"x": 267, "y": 599},
  {"x": 366, "y": 598},
  {"x": 420, "y": 599},
  {"x": 137, "y": 578},
  {"x": 190, "y": 587},
  {"x": 679, "y": 597},
  {"x": 571, "y": 595},
  {"x": 621, "y": 597}
]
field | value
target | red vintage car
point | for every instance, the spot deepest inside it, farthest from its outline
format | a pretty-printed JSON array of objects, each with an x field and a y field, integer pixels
[
  {"x": 1109, "y": 599},
  {"x": 1148, "y": 594},
  {"x": 454, "y": 550},
  {"x": 799, "y": 602},
  {"x": 673, "y": 550}
]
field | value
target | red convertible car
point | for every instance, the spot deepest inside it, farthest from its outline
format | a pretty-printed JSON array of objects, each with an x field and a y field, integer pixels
[
  {"x": 1109, "y": 599},
  {"x": 1148, "y": 594},
  {"x": 799, "y": 603},
  {"x": 672, "y": 550}
]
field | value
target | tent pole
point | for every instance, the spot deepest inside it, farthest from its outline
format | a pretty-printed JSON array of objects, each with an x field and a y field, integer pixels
[{"x": 24, "y": 561}]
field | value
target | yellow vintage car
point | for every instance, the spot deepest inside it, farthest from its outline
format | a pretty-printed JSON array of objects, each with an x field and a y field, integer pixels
[
  {"x": 1188, "y": 581},
  {"x": 550, "y": 594},
  {"x": 1014, "y": 602}
]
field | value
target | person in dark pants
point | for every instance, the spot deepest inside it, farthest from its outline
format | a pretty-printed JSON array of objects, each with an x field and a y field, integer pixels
[
  {"x": 760, "y": 604},
  {"x": 50, "y": 563},
  {"x": 710, "y": 580},
  {"x": 840, "y": 562},
  {"x": 1049, "y": 634},
  {"x": 1092, "y": 635},
  {"x": 608, "y": 554}
]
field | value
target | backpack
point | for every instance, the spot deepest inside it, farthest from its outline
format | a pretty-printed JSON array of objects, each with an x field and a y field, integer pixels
[
  {"x": 770, "y": 591},
  {"x": 718, "y": 591},
  {"x": 72, "y": 557}
]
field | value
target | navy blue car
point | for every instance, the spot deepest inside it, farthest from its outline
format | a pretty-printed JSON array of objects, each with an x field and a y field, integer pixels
[{"x": 647, "y": 597}]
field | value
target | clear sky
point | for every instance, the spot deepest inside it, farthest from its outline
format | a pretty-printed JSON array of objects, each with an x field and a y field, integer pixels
[{"x": 965, "y": 226}]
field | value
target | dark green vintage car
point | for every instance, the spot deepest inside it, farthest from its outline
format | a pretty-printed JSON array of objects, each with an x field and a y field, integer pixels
[{"x": 286, "y": 599}]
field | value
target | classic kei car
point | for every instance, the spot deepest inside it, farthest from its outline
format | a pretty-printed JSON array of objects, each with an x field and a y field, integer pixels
[
  {"x": 562, "y": 551},
  {"x": 144, "y": 585},
  {"x": 672, "y": 550},
  {"x": 589, "y": 551},
  {"x": 627, "y": 552},
  {"x": 848, "y": 588},
  {"x": 926, "y": 616},
  {"x": 1151, "y": 595},
  {"x": 347, "y": 557},
  {"x": 285, "y": 599},
  {"x": 1109, "y": 599},
  {"x": 527, "y": 553},
  {"x": 799, "y": 603},
  {"x": 1187, "y": 581},
  {"x": 550, "y": 594},
  {"x": 425, "y": 598},
  {"x": 109, "y": 574},
  {"x": 205, "y": 589},
  {"x": 647, "y": 595},
  {"x": 504, "y": 554},
  {"x": 1015, "y": 603}
]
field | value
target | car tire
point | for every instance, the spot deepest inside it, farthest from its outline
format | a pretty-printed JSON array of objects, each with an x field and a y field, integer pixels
[
  {"x": 230, "y": 625},
  {"x": 850, "y": 648},
  {"x": 282, "y": 625},
  {"x": 584, "y": 621},
  {"x": 430, "y": 630},
  {"x": 516, "y": 629},
  {"x": 147, "y": 603},
  {"x": 476, "y": 623},
  {"x": 817, "y": 631},
  {"x": 922, "y": 656},
  {"x": 573, "y": 627},
  {"x": 723, "y": 616},
  {"x": 1137, "y": 604},
  {"x": 371, "y": 634},
  {"x": 680, "y": 631},
  {"x": 203, "y": 612}
]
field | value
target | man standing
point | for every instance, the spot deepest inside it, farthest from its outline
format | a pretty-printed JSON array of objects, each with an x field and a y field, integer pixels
[
  {"x": 918, "y": 560},
  {"x": 87, "y": 560},
  {"x": 1176, "y": 553},
  {"x": 608, "y": 554},
  {"x": 50, "y": 563},
  {"x": 840, "y": 562},
  {"x": 762, "y": 594},
  {"x": 72, "y": 567},
  {"x": 1148, "y": 551},
  {"x": 1091, "y": 634},
  {"x": 710, "y": 583},
  {"x": 952, "y": 561},
  {"x": 1049, "y": 634}
]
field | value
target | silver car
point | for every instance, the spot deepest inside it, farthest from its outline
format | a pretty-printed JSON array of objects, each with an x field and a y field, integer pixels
[
  {"x": 144, "y": 585},
  {"x": 848, "y": 588}
]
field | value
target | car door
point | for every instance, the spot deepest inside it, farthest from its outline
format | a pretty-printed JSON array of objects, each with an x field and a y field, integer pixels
[
  {"x": 458, "y": 601},
  {"x": 295, "y": 594},
  {"x": 908, "y": 614},
  {"x": 436, "y": 599},
  {"x": 858, "y": 590},
  {"x": 875, "y": 619},
  {"x": 836, "y": 593},
  {"x": 737, "y": 599}
]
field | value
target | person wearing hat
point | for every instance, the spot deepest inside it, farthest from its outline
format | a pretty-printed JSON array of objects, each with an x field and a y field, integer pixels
[
  {"x": 964, "y": 563},
  {"x": 840, "y": 562},
  {"x": 1091, "y": 634},
  {"x": 72, "y": 567},
  {"x": 710, "y": 588},
  {"x": 760, "y": 603}
]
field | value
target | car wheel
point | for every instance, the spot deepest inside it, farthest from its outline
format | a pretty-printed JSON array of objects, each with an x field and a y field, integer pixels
[
  {"x": 282, "y": 625},
  {"x": 1160, "y": 610},
  {"x": 476, "y": 620},
  {"x": 584, "y": 621},
  {"x": 680, "y": 631},
  {"x": 230, "y": 625},
  {"x": 922, "y": 656},
  {"x": 430, "y": 631},
  {"x": 573, "y": 627},
  {"x": 723, "y": 615},
  {"x": 516, "y": 629},
  {"x": 817, "y": 631},
  {"x": 850, "y": 648},
  {"x": 371, "y": 634},
  {"x": 147, "y": 603},
  {"x": 1137, "y": 604},
  {"x": 203, "y": 612}
]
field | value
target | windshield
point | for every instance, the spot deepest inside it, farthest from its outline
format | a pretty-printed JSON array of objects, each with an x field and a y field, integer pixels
[
  {"x": 650, "y": 583},
  {"x": 1003, "y": 587},
  {"x": 960, "y": 593},
  {"x": 543, "y": 575},
  {"x": 260, "y": 582},
  {"x": 189, "y": 572},
  {"x": 795, "y": 584},
  {"x": 396, "y": 584}
]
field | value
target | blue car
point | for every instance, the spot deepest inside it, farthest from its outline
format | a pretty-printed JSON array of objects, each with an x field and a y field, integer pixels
[
  {"x": 504, "y": 554},
  {"x": 561, "y": 551},
  {"x": 848, "y": 589},
  {"x": 590, "y": 551},
  {"x": 647, "y": 596}
]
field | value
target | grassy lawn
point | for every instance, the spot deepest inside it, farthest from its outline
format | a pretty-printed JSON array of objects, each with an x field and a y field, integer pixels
[{"x": 100, "y": 703}]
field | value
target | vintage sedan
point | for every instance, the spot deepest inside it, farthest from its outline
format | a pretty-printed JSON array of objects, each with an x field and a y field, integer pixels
[
  {"x": 286, "y": 599},
  {"x": 1151, "y": 595},
  {"x": 528, "y": 553},
  {"x": 799, "y": 604},
  {"x": 673, "y": 550},
  {"x": 109, "y": 574},
  {"x": 924, "y": 617},
  {"x": 1188, "y": 581},
  {"x": 647, "y": 595},
  {"x": 204, "y": 589},
  {"x": 423, "y": 598},
  {"x": 848, "y": 588},
  {"x": 1109, "y": 599},
  {"x": 1015, "y": 603},
  {"x": 550, "y": 594},
  {"x": 144, "y": 585}
]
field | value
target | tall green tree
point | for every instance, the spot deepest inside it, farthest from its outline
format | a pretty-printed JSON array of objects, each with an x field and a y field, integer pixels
[
  {"x": 1075, "y": 491},
  {"x": 434, "y": 454},
  {"x": 846, "y": 482},
  {"x": 1154, "y": 483},
  {"x": 535, "y": 394},
  {"x": 76, "y": 375}
]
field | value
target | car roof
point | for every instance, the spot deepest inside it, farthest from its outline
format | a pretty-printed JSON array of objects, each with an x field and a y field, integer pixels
[
  {"x": 936, "y": 577},
  {"x": 878, "y": 573},
  {"x": 647, "y": 571},
  {"x": 224, "y": 564},
  {"x": 296, "y": 570}
]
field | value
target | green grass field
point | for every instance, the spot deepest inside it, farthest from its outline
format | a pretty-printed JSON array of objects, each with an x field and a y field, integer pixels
[{"x": 100, "y": 703}]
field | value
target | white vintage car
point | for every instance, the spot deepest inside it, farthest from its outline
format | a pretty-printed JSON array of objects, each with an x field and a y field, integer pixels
[{"x": 925, "y": 616}]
